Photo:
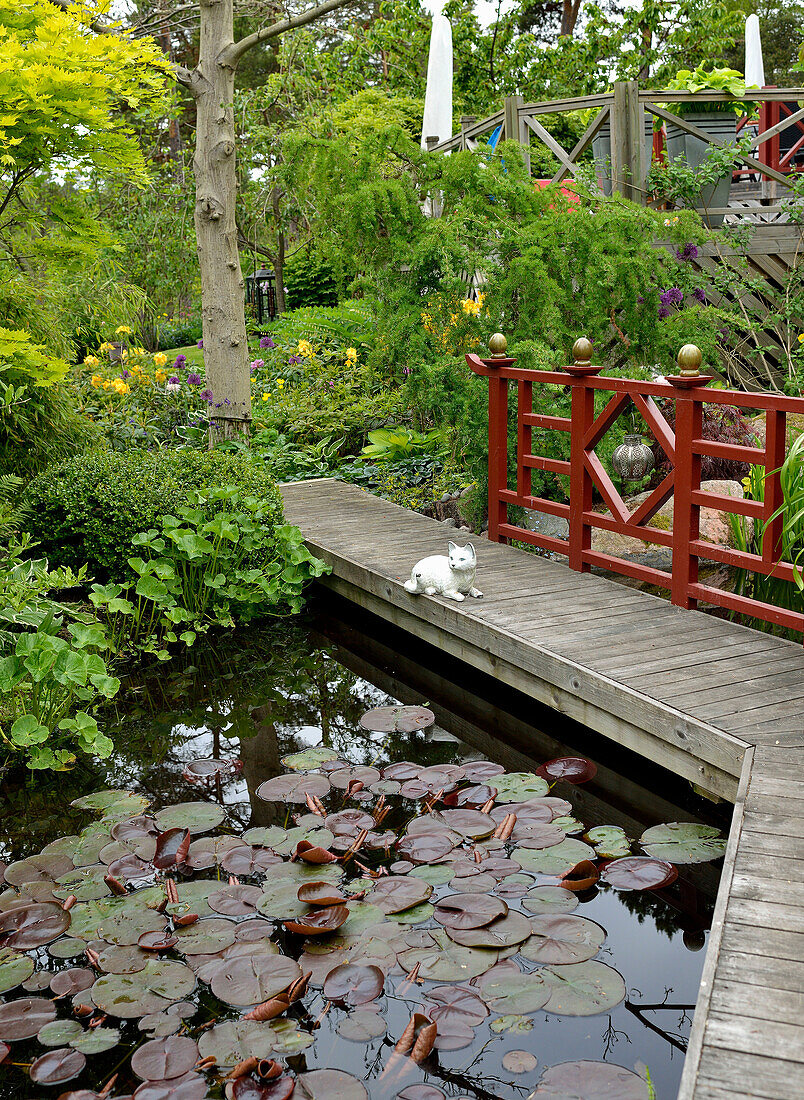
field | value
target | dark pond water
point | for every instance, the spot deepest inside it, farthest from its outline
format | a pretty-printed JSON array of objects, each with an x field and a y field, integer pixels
[{"x": 286, "y": 687}]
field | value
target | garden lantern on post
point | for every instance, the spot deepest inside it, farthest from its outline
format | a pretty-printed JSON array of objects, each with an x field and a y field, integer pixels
[{"x": 261, "y": 294}]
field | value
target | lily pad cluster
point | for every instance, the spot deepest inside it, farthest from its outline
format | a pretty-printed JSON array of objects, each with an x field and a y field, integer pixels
[{"x": 214, "y": 958}]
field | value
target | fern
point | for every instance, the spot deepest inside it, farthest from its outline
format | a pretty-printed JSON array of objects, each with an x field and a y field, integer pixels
[{"x": 12, "y": 513}]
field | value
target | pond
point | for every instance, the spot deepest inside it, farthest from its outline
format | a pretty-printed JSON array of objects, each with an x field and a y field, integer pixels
[{"x": 603, "y": 973}]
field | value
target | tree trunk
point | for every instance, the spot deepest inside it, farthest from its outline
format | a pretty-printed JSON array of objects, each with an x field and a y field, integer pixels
[
  {"x": 223, "y": 309},
  {"x": 279, "y": 259}
]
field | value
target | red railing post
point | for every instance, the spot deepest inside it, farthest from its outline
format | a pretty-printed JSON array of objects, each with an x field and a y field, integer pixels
[
  {"x": 498, "y": 453},
  {"x": 581, "y": 486},
  {"x": 524, "y": 439},
  {"x": 775, "y": 430},
  {"x": 686, "y": 514},
  {"x": 770, "y": 114}
]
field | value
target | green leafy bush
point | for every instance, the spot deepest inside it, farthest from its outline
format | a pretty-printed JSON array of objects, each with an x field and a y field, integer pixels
[
  {"x": 89, "y": 509},
  {"x": 197, "y": 572},
  {"x": 48, "y": 685},
  {"x": 309, "y": 281}
]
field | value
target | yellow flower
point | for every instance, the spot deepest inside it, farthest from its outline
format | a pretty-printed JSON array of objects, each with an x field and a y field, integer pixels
[
  {"x": 106, "y": 347},
  {"x": 470, "y": 306},
  {"x": 160, "y": 376},
  {"x": 106, "y": 383},
  {"x": 305, "y": 349},
  {"x": 280, "y": 383},
  {"x": 351, "y": 355},
  {"x": 119, "y": 386},
  {"x": 92, "y": 361},
  {"x": 160, "y": 359},
  {"x": 266, "y": 396},
  {"x": 124, "y": 330},
  {"x": 96, "y": 380},
  {"x": 801, "y": 338}
]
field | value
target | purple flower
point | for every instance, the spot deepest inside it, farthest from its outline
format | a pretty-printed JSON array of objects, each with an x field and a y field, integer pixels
[
  {"x": 670, "y": 297},
  {"x": 266, "y": 342},
  {"x": 200, "y": 344},
  {"x": 174, "y": 380},
  {"x": 664, "y": 311},
  {"x": 256, "y": 364},
  {"x": 699, "y": 294},
  {"x": 125, "y": 374},
  {"x": 179, "y": 361},
  {"x": 406, "y": 371},
  {"x": 688, "y": 252},
  {"x": 206, "y": 395},
  {"x": 640, "y": 298},
  {"x": 294, "y": 359},
  {"x": 194, "y": 379}
]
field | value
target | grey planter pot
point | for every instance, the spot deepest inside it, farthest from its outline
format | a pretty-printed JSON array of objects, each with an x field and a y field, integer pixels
[
  {"x": 683, "y": 146},
  {"x": 601, "y": 151}
]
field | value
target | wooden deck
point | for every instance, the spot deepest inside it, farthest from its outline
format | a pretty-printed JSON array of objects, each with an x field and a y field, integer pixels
[{"x": 717, "y": 703}]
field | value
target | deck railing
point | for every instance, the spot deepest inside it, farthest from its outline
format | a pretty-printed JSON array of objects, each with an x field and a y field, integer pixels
[{"x": 684, "y": 446}]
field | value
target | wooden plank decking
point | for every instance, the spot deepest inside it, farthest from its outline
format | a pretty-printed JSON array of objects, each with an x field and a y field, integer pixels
[{"x": 718, "y": 703}]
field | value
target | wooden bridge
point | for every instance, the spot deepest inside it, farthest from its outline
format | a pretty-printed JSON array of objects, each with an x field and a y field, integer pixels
[{"x": 715, "y": 702}]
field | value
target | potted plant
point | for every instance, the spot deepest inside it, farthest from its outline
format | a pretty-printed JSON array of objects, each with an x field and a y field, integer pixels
[
  {"x": 717, "y": 119},
  {"x": 601, "y": 152}
]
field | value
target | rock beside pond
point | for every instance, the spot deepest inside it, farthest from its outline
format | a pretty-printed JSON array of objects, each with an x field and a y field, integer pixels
[{"x": 715, "y": 526}]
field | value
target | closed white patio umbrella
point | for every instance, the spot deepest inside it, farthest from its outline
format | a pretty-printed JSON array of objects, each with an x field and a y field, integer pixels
[{"x": 437, "y": 121}]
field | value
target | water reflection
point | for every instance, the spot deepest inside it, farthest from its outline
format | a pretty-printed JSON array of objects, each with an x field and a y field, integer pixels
[{"x": 284, "y": 688}]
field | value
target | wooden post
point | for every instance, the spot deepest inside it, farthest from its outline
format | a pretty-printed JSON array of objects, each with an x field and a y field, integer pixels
[
  {"x": 775, "y": 446},
  {"x": 581, "y": 487},
  {"x": 466, "y": 122},
  {"x": 627, "y": 141},
  {"x": 515, "y": 127}
]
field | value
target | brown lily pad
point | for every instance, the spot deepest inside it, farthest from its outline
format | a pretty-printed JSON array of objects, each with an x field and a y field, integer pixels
[
  {"x": 57, "y": 1066},
  {"x": 32, "y": 925},
  {"x": 354, "y": 984},
  {"x": 22, "y": 1019},
  {"x": 397, "y": 720},
  {"x": 318, "y": 922},
  {"x": 395, "y": 893},
  {"x": 588, "y": 1080},
  {"x": 463, "y": 911},
  {"x": 165, "y": 1059},
  {"x": 639, "y": 873}
]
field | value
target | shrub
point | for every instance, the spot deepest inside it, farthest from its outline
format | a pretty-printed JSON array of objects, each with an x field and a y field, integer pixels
[
  {"x": 90, "y": 508},
  {"x": 309, "y": 281}
]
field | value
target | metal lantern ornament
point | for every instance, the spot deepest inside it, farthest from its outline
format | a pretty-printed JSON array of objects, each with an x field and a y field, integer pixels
[
  {"x": 261, "y": 294},
  {"x": 633, "y": 458}
]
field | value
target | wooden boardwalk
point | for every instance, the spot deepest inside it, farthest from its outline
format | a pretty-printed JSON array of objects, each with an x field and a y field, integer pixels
[{"x": 717, "y": 703}]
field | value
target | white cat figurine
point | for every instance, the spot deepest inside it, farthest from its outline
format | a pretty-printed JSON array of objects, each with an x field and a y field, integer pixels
[{"x": 452, "y": 576}]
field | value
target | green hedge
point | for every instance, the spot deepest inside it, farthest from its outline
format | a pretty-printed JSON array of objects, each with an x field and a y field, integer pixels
[{"x": 89, "y": 508}]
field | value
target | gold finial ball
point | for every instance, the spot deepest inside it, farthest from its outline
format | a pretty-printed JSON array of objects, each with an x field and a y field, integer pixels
[
  {"x": 582, "y": 350},
  {"x": 689, "y": 360},
  {"x": 498, "y": 346}
]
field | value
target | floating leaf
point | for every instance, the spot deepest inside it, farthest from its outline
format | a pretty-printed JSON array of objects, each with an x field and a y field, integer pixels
[
  {"x": 469, "y": 910},
  {"x": 96, "y": 1041},
  {"x": 519, "y": 786},
  {"x": 562, "y": 939},
  {"x": 395, "y": 894},
  {"x": 33, "y": 925},
  {"x": 478, "y": 771},
  {"x": 424, "y": 847},
  {"x": 235, "y": 1040},
  {"x": 164, "y": 1059},
  {"x": 360, "y": 773},
  {"x": 171, "y": 848},
  {"x": 198, "y": 817},
  {"x": 581, "y": 877},
  {"x": 513, "y": 1022},
  {"x": 247, "y": 860},
  {"x": 148, "y": 990},
  {"x": 591, "y": 1081},
  {"x": 469, "y": 823},
  {"x": 441, "y": 960},
  {"x": 550, "y": 899},
  {"x": 318, "y": 922},
  {"x": 519, "y": 1061},
  {"x": 537, "y": 834},
  {"x": 59, "y": 1033},
  {"x": 73, "y": 980},
  {"x": 112, "y": 803},
  {"x": 583, "y": 989},
  {"x": 24, "y": 1018},
  {"x": 458, "y": 1002},
  {"x": 556, "y": 860},
  {"x": 610, "y": 841},
  {"x": 192, "y": 1086},
  {"x": 15, "y": 968},
  {"x": 509, "y": 990},
  {"x": 683, "y": 842},
  {"x": 251, "y": 979},
  {"x": 293, "y": 788},
  {"x": 287, "y": 1038},
  {"x": 329, "y": 1084},
  {"x": 362, "y": 1026},
  {"x": 57, "y": 1066},
  {"x": 235, "y": 901},
  {"x": 354, "y": 984},
  {"x": 574, "y": 769},
  {"x": 639, "y": 873},
  {"x": 397, "y": 720}
]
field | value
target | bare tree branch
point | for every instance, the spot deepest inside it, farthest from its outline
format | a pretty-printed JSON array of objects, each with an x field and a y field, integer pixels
[
  {"x": 96, "y": 25},
  {"x": 233, "y": 53}
]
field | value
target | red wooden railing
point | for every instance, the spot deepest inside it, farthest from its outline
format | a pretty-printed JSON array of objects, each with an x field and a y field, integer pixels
[{"x": 683, "y": 446}]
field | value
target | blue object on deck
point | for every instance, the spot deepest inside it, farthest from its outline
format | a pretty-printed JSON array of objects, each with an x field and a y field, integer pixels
[{"x": 495, "y": 137}]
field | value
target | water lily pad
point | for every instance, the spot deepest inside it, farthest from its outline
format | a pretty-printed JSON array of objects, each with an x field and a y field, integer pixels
[
  {"x": 458, "y": 1002},
  {"x": 397, "y": 720},
  {"x": 556, "y": 860},
  {"x": 514, "y": 1023},
  {"x": 251, "y": 979},
  {"x": 248, "y": 860},
  {"x": 519, "y": 1061},
  {"x": 591, "y": 1081},
  {"x": 284, "y": 841},
  {"x": 435, "y": 874},
  {"x": 538, "y": 834},
  {"x": 15, "y": 968},
  {"x": 235, "y": 1040},
  {"x": 235, "y": 901},
  {"x": 171, "y": 848},
  {"x": 71, "y": 981},
  {"x": 424, "y": 847},
  {"x": 610, "y": 841},
  {"x": 59, "y": 1033},
  {"x": 478, "y": 771},
  {"x": 287, "y": 1038},
  {"x": 66, "y": 948},
  {"x": 573, "y": 769},
  {"x": 683, "y": 842},
  {"x": 417, "y": 915},
  {"x": 32, "y": 925},
  {"x": 22, "y": 1019},
  {"x": 309, "y": 759},
  {"x": 293, "y": 788},
  {"x": 96, "y": 1041},
  {"x": 148, "y": 990},
  {"x": 442, "y": 960},
  {"x": 509, "y": 990},
  {"x": 329, "y": 1084},
  {"x": 468, "y": 822},
  {"x": 401, "y": 771},
  {"x": 57, "y": 1066},
  {"x": 118, "y": 959},
  {"x": 469, "y": 910},
  {"x": 639, "y": 873},
  {"x": 519, "y": 786},
  {"x": 112, "y": 803},
  {"x": 583, "y": 989},
  {"x": 562, "y": 939},
  {"x": 192, "y": 1086},
  {"x": 362, "y": 1026},
  {"x": 84, "y": 883},
  {"x": 395, "y": 894},
  {"x": 164, "y": 1059},
  {"x": 360, "y": 773},
  {"x": 318, "y": 922},
  {"x": 354, "y": 984},
  {"x": 198, "y": 817}
]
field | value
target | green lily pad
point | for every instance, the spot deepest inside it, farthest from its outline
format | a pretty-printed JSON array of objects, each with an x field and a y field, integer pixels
[
  {"x": 683, "y": 842},
  {"x": 309, "y": 759},
  {"x": 553, "y": 861},
  {"x": 583, "y": 989},
  {"x": 610, "y": 841},
  {"x": 507, "y": 990},
  {"x": 550, "y": 899},
  {"x": 235, "y": 1040},
  {"x": 515, "y": 1024},
  {"x": 434, "y": 873},
  {"x": 66, "y": 948},
  {"x": 520, "y": 786},
  {"x": 15, "y": 968},
  {"x": 283, "y": 841},
  {"x": 288, "y": 1039},
  {"x": 112, "y": 803},
  {"x": 96, "y": 1041},
  {"x": 442, "y": 960},
  {"x": 198, "y": 817},
  {"x": 85, "y": 883},
  {"x": 416, "y": 915},
  {"x": 206, "y": 937},
  {"x": 151, "y": 989},
  {"x": 59, "y": 1033},
  {"x": 362, "y": 1026}
]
